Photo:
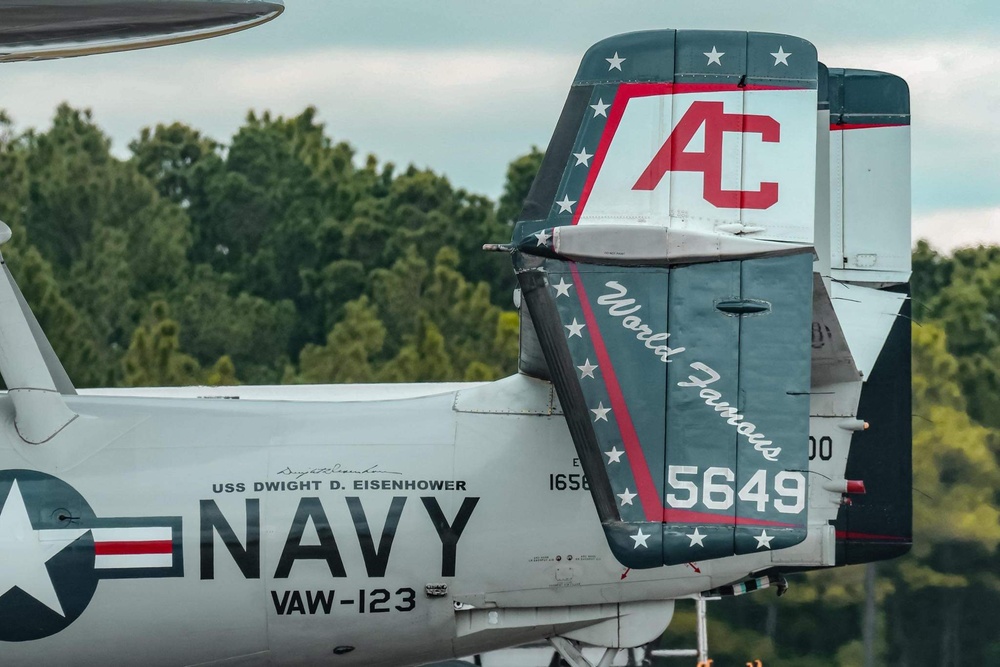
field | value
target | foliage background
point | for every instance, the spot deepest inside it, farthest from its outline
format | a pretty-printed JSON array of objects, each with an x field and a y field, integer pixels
[{"x": 285, "y": 257}]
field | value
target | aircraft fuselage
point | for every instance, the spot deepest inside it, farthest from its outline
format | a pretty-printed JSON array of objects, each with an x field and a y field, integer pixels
[{"x": 310, "y": 532}]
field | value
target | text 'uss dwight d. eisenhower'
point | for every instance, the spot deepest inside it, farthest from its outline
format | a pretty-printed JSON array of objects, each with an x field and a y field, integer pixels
[{"x": 620, "y": 305}]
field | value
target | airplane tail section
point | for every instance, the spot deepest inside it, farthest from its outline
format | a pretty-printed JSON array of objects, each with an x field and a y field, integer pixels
[
  {"x": 665, "y": 257},
  {"x": 870, "y": 275}
]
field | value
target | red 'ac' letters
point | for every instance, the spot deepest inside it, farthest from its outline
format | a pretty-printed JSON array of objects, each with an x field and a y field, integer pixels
[{"x": 672, "y": 157}]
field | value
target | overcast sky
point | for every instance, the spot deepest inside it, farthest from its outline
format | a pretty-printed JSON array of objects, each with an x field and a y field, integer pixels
[{"x": 463, "y": 87}]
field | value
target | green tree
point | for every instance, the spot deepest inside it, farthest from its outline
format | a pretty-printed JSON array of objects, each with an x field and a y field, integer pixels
[
  {"x": 154, "y": 358},
  {"x": 70, "y": 333},
  {"x": 520, "y": 175},
  {"x": 350, "y": 348}
]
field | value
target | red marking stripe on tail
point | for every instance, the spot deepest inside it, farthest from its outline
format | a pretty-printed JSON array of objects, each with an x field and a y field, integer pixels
[{"x": 834, "y": 127}]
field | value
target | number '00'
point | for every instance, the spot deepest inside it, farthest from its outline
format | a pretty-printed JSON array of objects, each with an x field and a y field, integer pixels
[
  {"x": 822, "y": 448},
  {"x": 717, "y": 489}
]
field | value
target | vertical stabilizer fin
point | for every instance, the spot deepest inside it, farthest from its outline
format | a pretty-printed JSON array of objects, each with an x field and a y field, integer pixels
[
  {"x": 665, "y": 256},
  {"x": 869, "y": 176},
  {"x": 39, "y": 409}
]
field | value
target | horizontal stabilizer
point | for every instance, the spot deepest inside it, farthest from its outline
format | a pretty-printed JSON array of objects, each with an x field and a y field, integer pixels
[
  {"x": 624, "y": 244},
  {"x": 60, "y": 378},
  {"x": 39, "y": 409},
  {"x": 832, "y": 361}
]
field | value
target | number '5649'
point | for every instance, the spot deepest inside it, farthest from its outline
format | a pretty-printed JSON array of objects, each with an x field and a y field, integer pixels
[{"x": 715, "y": 489}]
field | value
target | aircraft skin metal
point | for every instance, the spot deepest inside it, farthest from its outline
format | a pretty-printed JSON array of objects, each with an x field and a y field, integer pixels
[
  {"x": 406, "y": 525},
  {"x": 499, "y": 442}
]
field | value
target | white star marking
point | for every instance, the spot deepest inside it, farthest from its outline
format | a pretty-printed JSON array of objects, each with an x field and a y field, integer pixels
[
  {"x": 626, "y": 497},
  {"x": 600, "y": 412},
  {"x": 600, "y": 109},
  {"x": 715, "y": 56},
  {"x": 587, "y": 370},
  {"x": 562, "y": 288},
  {"x": 696, "y": 538},
  {"x": 615, "y": 62},
  {"x": 26, "y": 550},
  {"x": 640, "y": 538},
  {"x": 575, "y": 329},
  {"x": 781, "y": 57},
  {"x": 542, "y": 237},
  {"x": 614, "y": 456},
  {"x": 566, "y": 205},
  {"x": 583, "y": 157},
  {"x": 764, "y": 540}
]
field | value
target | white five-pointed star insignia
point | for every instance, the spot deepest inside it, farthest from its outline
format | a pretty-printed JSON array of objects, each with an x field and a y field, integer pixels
[
  {"x": 764, "y": 540},
  {"x": 583, "y": 157},
  {"x": 714, "y": 56},
  {"x": 562, "y": 288},
  {"x": 640, "y": 538},
  {"x": 615, "y": 62},
  {"x": 542, "y": 237},
  {"x": 587, "y": 370},
  {"x": 566, "y": 205},
  {"x": 626, "y": 497},
  {"x": 26, "y": 550},
  {"x": 614, "y": 456},
  {"x": 696, "y": 538},
  {"x": 600, "y": 109},
  {"x": 600, "y": 412},
  {"x": 575, "y": 329},
  {"x": 781, "y": 57}
]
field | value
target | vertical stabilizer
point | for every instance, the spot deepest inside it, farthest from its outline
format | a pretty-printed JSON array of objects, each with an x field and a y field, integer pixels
[
  {"x": 665, "y": 257},
  {"x": 869, "y": 140},
  {"x": 708, "y": 131},
  {"x": 869, "y": 176}
]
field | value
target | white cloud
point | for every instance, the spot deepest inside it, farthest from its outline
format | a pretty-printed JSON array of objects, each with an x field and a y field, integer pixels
[
  {"x": 948, "y": 230},
  {"x": 953, "y": 99},
  {"x": 467, "y": 111}
]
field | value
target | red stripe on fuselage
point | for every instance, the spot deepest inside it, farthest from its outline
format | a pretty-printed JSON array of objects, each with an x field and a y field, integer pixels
[{"x": 133, "y": 548}]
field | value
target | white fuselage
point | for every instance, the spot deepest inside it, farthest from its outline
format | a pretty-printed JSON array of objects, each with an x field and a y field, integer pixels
[{"x": 498, "y": 453}]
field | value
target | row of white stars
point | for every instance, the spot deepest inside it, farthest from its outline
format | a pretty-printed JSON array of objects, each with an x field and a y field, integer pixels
[
  {"x": 583, "y": 157},
  {"x": 714, "y": 58},
  {"x": 697, "y": 539},
  {"x": 576, "y": 329}
]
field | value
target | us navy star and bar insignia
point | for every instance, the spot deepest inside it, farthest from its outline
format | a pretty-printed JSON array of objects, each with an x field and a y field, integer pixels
[{"x": 55, "y": 551}]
